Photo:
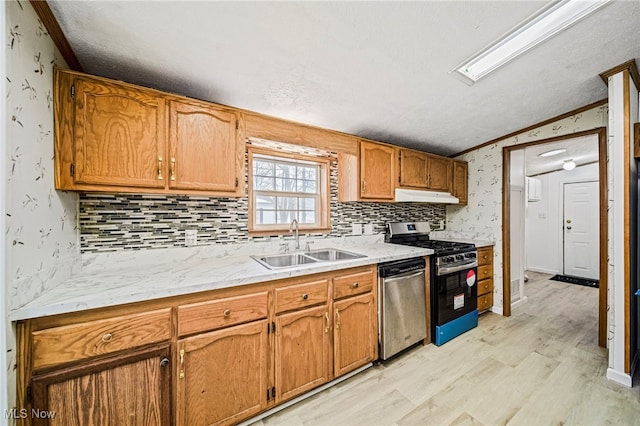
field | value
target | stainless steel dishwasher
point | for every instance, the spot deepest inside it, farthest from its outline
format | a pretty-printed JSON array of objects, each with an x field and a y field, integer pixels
[{"x": 402, "y": 310}]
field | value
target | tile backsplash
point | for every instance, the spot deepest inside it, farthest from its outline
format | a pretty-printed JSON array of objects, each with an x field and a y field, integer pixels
[{"x": 111, "y": 222}]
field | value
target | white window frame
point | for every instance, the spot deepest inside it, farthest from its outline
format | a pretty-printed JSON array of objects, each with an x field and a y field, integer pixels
[{"x": 322, "y": 223}]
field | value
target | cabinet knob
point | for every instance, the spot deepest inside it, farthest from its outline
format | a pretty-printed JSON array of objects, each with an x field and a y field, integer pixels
[
  {"x": 227, "y": 313},
  {"x": 355, "y": 285},
  {"x": 164, "y": 362},
  {"x": 107, "y": 337},
  {"x": 305, "y": 296}
]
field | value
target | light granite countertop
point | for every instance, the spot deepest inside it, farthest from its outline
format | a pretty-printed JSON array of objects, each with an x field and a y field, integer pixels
[{"x": 116, "y": 278}]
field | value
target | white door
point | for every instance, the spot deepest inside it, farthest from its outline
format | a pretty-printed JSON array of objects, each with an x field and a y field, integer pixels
[{"x": 581, "y": 230}]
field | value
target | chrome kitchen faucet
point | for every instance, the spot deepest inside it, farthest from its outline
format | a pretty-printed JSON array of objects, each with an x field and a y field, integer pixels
[{"x": 295, "y": 221}]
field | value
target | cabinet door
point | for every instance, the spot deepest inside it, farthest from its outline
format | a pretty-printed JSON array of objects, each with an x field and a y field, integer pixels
[
  {"x": 355, "y": 333},
  {"x": 302, "y": 351},
  {"x": 119, "y": 135},
  {"x": 460, "y": 179},
  {"x": 377, "y": 171},
  {"x": 439, "y": 173},
  {"x": 205, "y": 151},
  {"x": 132, "y": 389},
  {"x": 222, "y": 375},
  {"x": 413, "y": 169}
]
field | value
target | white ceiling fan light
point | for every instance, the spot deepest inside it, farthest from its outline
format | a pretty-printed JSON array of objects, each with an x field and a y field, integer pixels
[
  {"x": 544, "y": 24},
  {"x": 553, "y": 152},
  {"x": 569, "y": 165}
]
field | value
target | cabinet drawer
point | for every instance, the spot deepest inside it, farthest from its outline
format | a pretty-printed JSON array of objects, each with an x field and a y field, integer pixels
[
  {"x": 214, "y": 314},
  {"x": 85, "y": 340},
  {"x": 485, "y": 302},
  {"x": 485, "y": 256},
  {"x": 484, "y": 272},
  {"x": 485, "y": 286},
  {"x": 348, "y": 285},
  {"x": 301, "y": 295}
]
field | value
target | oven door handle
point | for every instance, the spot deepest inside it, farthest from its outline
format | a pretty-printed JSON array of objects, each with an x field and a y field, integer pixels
[{"x": 451, "y": 269}]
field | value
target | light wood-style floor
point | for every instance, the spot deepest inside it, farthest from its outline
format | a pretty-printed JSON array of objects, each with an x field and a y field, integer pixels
[{"x": 541, "y": 366}]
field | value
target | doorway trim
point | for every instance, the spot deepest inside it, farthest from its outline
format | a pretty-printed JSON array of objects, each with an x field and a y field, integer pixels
[{"x": 601, "y": 132}]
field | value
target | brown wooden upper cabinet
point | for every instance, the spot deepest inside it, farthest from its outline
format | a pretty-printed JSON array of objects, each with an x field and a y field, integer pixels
[
  {"x": 439, "y": 171},
  {"x": 413, "y": 168},
  {"x": 204, "y": 151},
  {"x": 460, "y": 181},
  {"x": 377, "y": 171},
  {"x": 425, "y": 171},
  {"x": 118, "y": 134},
  {"x": 117, "y": 137}
]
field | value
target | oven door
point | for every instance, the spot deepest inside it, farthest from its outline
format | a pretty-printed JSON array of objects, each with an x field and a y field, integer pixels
[{"x": 456, "y": 294}]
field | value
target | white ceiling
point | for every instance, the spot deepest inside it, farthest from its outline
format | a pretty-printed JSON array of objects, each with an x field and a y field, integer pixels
[
  {"x": 374, "y": 69},
  {"x": 582, "y": 150}
]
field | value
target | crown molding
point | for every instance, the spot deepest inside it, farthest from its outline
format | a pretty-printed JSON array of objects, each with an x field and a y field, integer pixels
[{"x": 55, "y": 32}]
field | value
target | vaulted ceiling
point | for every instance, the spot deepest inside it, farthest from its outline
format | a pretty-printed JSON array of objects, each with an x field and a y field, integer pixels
[{"x": 374, "y": 69}]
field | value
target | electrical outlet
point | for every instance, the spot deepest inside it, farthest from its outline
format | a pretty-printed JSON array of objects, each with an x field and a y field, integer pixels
[
  {"x": 356, "y": 229},
  {"x": 368, "y": 229},
  {"x": 191, "y": 237}
]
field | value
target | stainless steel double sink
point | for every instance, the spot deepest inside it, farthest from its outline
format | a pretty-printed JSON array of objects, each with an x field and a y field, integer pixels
[{"x": 277, "y": 261}]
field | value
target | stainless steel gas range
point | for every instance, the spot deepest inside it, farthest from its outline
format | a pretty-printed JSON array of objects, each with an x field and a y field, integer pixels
[{"x": 453, "y": 277}]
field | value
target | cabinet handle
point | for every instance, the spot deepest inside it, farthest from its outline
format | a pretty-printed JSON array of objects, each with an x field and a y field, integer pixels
[
  {"x": 326, "y": 317},
  {"x": 107, "y": 337},
  {"x": 337, "y": 318},
  {"x": 227, "y": 313},
  {"x": 182, "y": 363},
  {"x": 173, "y": 169},
  {"x": 355, "y": 285},
  {"x": 164, "y": 362},
  {"x": 364, "y": 186},
  {"x": 305, "y": 296},
  {"x": 159, "y": 168}
]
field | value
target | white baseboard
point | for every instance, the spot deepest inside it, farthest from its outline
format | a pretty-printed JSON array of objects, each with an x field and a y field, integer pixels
[
  {"x": 542, "y": 270},
  {"x": 519, "y": 302},
  {"x": 619, "y": 377},
  {"x": 496, "y": 310}
]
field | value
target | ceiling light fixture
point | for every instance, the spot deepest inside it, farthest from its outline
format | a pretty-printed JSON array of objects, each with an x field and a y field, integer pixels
[
  {"x": 542, "y": 25},
  {"x": 569, "y": 165},
  {"x": 553, "y": 152}
]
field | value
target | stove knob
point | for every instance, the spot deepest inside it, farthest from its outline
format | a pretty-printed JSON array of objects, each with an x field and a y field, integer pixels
[
  {"x": 470, "y": 255},
  {"x": 448, "y": 259},
  {"x": 459, "y": 257}
]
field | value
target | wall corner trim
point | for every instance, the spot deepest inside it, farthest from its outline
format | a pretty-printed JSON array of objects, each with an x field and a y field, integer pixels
[{"x": 57, "y": 35}]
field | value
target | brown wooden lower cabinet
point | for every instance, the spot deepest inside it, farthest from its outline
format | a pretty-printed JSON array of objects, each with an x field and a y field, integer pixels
[
  {"x": 222, "y": 375},
  {"x": 302, "y": 351},
  {"x": 129, "y": 390},
  {"x": 485, "y": 279},
  {"x": 354, "y": 341},
  {"x": 216, "y": 358}
]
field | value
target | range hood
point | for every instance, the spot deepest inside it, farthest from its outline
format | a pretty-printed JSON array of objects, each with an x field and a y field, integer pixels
[{"x": 418, "y": 196}]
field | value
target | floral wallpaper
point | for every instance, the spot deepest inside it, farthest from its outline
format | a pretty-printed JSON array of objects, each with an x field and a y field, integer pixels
[
  {"x": 41, "y": 231},
  {"x": 483, "y": 213}
]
